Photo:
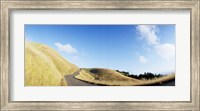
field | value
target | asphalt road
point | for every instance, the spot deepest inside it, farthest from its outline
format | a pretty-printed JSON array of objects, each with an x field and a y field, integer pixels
[
  {"x": 72, "y": 81},
  {"x": 168, "y": 83}
]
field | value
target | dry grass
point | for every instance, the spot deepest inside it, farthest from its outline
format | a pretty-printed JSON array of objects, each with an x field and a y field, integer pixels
[
  {"x": 85, "y": 76},
  {"x": 44, "y": 66},
  {"x": 159, "y": 80},
  {"x": 113, "y": 78},
  {"x": 106, "y": 77}
]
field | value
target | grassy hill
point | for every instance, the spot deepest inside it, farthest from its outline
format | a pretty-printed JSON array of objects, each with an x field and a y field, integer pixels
[
  {"x": 106, "y": 77},
  {"x": 44, "y": 66},
  {"x": 113, "y": 78}
]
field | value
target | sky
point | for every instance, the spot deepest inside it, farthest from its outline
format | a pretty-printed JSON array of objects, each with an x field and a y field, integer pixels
[{"x": 133, "y": 48}]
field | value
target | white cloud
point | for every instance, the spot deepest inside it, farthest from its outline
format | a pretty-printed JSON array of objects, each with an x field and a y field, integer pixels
[
  {"x": 66, "y": 48},
  {"x": 166, "y": 51},
  {"x": 76, "y": 57},
  {"x": 142, "y": 59},
  {"x": 148, "y": 32},
  {"x": 27, "y": 37}
]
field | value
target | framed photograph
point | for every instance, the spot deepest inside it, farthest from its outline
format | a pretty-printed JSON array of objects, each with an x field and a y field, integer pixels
[{"x": 100, "y": 55}]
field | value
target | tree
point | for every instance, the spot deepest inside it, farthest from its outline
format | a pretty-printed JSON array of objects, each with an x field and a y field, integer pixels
[{"x": 146, "y": 75}]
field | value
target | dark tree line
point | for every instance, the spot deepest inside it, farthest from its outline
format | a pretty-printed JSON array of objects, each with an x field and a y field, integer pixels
[{"x": 146, "y": 75}]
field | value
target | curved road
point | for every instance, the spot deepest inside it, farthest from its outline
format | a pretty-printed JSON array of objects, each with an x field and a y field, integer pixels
[
  {"x": 167, "y": 83},
  {"x": 72, "y": 81}
]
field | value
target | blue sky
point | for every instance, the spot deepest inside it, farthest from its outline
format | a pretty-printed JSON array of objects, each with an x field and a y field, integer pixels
[{"x": 133, "y": 48}]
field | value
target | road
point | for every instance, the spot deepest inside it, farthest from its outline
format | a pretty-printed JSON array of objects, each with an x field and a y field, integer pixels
[
  {"x": 72, "y": 81},
  {"x": 168, "y": 83}
]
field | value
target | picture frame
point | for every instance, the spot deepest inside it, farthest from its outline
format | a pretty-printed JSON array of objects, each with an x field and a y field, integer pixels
[{"x": 8, "y": 6}]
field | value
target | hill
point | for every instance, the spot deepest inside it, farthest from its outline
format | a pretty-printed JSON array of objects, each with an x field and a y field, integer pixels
[
  {"x": 106, "y": 77},
  {"x": 113, "y": 78},
  {"x": 44, "y": 66}
]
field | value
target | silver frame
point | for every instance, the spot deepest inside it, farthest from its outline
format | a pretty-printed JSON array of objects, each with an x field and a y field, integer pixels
[{"x": 8, "y": 5}]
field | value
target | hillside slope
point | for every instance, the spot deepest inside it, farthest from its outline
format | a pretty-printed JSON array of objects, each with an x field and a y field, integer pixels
[
  {"x": 44, "y": 66},
  {"x": 113, "y": 78},
  {"x": 106, "y": 77}
]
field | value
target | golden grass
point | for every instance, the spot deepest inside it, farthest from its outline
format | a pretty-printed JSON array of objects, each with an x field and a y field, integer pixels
[
  {"x": 106, "y": 77},
  {"x": 159, "y": 80},
  {"x": 114, "y": 78},
  {"x": 85, "y": 76},
  {"x": 44, "y": 66}
]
